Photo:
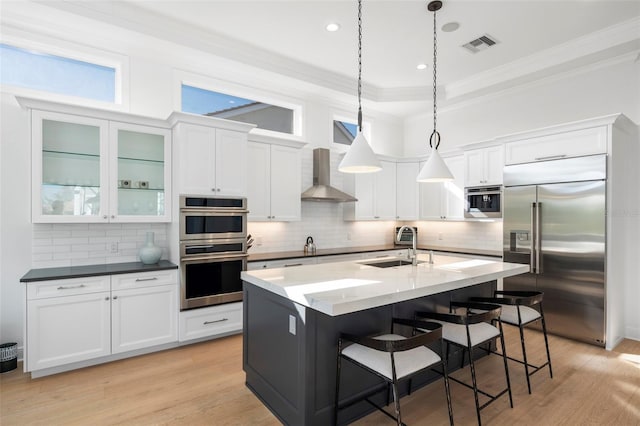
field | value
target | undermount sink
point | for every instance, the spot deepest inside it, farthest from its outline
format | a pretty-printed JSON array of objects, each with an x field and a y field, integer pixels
[{"x": 389, "y": 263}]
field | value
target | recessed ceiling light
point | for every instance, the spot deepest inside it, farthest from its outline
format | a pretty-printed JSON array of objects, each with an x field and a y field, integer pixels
[
  {"x": 421, "y": 66},
  {"x": 332, "y": 27},
  {"x": 450, "y": 27}
]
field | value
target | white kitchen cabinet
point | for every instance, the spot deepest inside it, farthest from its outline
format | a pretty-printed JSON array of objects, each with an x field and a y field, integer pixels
[
  {"x": 97, "y": 169},
  {"x": 339, "y": 258},
  {"x": 212, "y": 161},
  {"x": 274, "y": 182},
  {"x": 376, "y": 194},
  {"x": 210, "y": 321},
  {"x": 572, "y": 143},
  {"x": 145, "y": 315},
  {"x": 79, "y": 319},
  {"x": 445, "y": 200},
  {"x": 67, "y": 321},
  {"x": 483, "y": 166},
  {"x": 407, "y": 191}
]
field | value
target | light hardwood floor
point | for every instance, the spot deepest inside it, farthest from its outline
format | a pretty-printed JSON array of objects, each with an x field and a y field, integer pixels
[{"x": 203, "y": 384}]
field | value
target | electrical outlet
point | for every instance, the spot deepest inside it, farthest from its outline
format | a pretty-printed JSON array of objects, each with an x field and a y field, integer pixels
[
  {"x": 440, "y": 235},
  {"x": 114, "y": 248},
  {"x": 292, "y": 325}
]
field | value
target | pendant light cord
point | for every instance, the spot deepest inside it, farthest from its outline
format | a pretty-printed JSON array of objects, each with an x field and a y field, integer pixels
[
  {"x": 360, "y": 65},
  {"x": 435, "y": 134}
]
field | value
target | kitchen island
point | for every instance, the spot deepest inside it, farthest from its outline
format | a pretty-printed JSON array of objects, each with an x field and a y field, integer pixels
[{"x": 293, "y": 317}]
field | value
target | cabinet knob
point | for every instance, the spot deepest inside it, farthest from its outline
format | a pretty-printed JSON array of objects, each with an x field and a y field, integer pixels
[
  {"x": 113, "y": 216},
  {"x": 273, "y": 217},
  {"x": 106, "y": 298},
  {"x": 105, "y": 216},
  {"x": 218, "y": 189},
  {"x": 115, "y": 297}
]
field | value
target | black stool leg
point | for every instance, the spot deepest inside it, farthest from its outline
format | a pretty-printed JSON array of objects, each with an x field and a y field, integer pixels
[
  {"x": 506, "y": 367},
  {"x": 475, "y": 386},
  {"x": 447, "y": 390},
  {"x": 546, "y": 341},
  {"x": 396, "y": 402},
  {"x": 524, "y": 355}
]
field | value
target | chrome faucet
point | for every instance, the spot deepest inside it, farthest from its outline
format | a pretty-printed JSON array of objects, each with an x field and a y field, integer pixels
[{"x": 412, "y": 253}]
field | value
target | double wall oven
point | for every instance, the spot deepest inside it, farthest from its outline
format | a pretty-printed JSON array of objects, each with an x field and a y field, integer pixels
[{"x": 213, "y": 250}]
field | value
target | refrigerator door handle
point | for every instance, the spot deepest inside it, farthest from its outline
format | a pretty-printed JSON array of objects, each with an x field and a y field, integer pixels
[
  {"x": 538, "y": 237},
  {"x": 532, "y": 255}
]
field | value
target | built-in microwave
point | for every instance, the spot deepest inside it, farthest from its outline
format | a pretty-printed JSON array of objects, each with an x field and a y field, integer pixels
[
  {"x": 204, "y": 218},
  {"x": 483, "y": 202}
]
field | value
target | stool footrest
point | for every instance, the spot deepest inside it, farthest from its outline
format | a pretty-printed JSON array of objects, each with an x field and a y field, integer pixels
[{"x": 535, "y": 368}]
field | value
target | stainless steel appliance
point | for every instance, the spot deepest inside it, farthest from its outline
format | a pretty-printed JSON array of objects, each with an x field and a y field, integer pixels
[
  {"x": 554, "y": 220},
  {"x": 406, "y": 238},
  {"x": 211, "y": 218},
  {"x": 483, "y": 202},
  {"x": 213, "y": 250}
]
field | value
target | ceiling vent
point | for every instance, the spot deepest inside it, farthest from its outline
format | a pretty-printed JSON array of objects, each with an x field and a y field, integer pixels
[{"x": 481, "y": 43}]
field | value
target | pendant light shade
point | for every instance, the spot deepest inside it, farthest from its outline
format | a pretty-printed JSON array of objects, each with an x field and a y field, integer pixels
[
  {"x": 360, "y": 157},
  {"x": 435, "y": 169}
]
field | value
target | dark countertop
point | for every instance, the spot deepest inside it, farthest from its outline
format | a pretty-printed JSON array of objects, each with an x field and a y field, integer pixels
[
  {"x": 261, "y": 257},
  {"x": 46, "y": 274}
]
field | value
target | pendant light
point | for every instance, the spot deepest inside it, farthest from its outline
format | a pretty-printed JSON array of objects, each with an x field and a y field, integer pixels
[
  {"x": 360, "y": 157},
  {"x": 434, "y": 170}
]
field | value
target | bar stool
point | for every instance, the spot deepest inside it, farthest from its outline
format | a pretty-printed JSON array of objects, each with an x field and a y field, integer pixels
[
  {"x": 518, "y": 310},
  {"x": 470, "y": 330},
  {"x": 393, "y": 358}
]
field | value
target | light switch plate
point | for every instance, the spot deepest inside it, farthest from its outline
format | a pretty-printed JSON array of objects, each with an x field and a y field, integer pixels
[{"x": 292, "y": 325}]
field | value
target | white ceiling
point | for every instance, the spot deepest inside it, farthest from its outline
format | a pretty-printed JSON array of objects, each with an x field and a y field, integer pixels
[{"x": 536, "y": 39}]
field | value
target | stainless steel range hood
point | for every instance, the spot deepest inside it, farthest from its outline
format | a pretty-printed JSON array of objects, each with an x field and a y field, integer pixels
[{"x": 321, "y": 189}]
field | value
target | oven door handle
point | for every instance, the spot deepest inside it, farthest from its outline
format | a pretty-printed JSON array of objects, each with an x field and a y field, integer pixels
[
  {"x": 213, "y": 212},
  {"x": 214, "y": 258}
]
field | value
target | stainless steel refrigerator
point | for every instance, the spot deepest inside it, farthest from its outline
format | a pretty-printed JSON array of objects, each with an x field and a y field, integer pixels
[{"x": 554, "y": 219}]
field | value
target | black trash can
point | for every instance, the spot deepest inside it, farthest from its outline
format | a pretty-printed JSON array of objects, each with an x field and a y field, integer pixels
[{"x": 8, "y": 357}]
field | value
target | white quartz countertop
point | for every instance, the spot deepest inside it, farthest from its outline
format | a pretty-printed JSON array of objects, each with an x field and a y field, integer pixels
[{"x": 345, "y": 287}]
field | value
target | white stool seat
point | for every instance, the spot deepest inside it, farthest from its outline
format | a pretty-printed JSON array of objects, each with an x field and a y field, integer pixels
[
  {"x": 510, "y": 314},
  {"x": 457, "y": 333},
  {"x": 407, "y": 362}
]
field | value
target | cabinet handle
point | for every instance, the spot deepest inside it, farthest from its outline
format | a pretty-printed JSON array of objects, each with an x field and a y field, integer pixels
[
  {"x": 264, "y": 266},
  {"x": 218, "y": 189},
  {"x": 273, "y": 217},
  {"x": 213, "y": 322},
  {"x": 293, "y": 264},
  {"x": 146, "y": 279},
  {"x": 106, "y": 298},
  {"x": 105, "y": 216},
  {"x": 70, "y": 287},
  {"x": 382, "y": 255},
  {"x": 113, "y": 216},
  {"x": 551, "y": 157},
  {"x": 376, "y": 217},
  {"x": 213, "y": 190},
  {"x": 115, "y": 297}
]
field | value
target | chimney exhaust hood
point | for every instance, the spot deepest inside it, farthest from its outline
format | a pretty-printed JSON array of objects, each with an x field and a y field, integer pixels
[{"x": 321, "y": 189}]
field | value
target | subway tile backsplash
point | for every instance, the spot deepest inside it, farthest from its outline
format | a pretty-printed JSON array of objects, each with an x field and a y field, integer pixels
[{"x": 59, "y": 245}]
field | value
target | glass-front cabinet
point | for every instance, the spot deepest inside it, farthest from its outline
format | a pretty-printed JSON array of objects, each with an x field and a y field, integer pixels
[{"x": 88, "y": 169}]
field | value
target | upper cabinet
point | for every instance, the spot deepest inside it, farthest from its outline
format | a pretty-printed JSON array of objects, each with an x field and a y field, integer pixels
[
  {"x": 212, "y": 160},
  {"x": 376, "y": 193},
  {"x": 444, "y": 201},
  {"x": 274, "y": 187},
  {"x": 565, "y": 144},
  {"x": 407, "y": 192},
  {"x": 483, "y": 166},
  {"x": 96, "y": 169}
]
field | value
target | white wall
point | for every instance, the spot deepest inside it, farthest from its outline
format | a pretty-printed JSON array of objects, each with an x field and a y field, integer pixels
[{"x": 612, "y": 87}]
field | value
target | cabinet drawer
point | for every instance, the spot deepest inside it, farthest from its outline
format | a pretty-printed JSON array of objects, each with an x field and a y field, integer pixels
[
  {"x": 206, "y": 322},
  {"x": 144, "y": 279},
  {"x": 68, "y": 287},
  {"x": 564, "y": 145}
]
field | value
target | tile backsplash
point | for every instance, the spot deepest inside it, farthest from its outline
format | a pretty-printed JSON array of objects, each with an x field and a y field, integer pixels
[{"x": 59, "y": 245}]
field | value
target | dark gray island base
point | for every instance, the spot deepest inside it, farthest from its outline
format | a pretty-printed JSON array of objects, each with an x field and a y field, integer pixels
[{"x": 289, "y": 352}]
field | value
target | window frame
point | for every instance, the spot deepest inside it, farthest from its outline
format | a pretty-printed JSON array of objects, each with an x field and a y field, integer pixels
[
  {"x": 67, "y": 50},
  {"x": 246, "y": 92}
]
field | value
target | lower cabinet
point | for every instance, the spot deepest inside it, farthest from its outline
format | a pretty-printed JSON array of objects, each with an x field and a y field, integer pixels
[
  {"x": 80, "y": 319},
  {"x": 211, "y": 321}
]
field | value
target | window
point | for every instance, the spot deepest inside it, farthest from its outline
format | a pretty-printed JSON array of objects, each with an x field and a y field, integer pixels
[
  {"x": 57, "y": 74},
  {"x": 344, "y": 132},
  {"x": 221, "y": 105}
]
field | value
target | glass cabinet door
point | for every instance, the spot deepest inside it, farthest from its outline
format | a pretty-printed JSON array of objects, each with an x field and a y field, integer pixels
[
  {"x": 140, "y": 156},
  {"x": 69, "y": 178}
]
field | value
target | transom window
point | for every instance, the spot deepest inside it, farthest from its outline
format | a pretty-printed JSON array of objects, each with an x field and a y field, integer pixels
[
  {"x": 344, "y": 132},
  {"x": 221, "y": 105},
  {"x": 57, "y": 74}
]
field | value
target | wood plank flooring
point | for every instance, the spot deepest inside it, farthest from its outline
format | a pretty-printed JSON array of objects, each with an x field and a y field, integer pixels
[{"x": 203, "y": 384}]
